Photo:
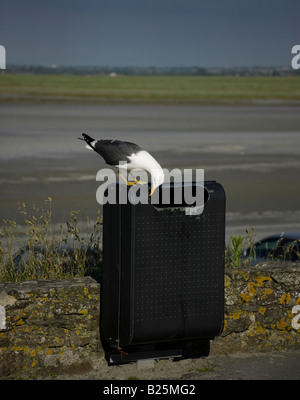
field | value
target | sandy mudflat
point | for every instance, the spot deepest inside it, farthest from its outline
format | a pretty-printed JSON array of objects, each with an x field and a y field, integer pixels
[{"x": 252, "y": 151}]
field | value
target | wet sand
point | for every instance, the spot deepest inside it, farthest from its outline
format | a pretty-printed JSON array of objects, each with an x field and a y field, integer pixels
[{"x": 254, "y": 152}]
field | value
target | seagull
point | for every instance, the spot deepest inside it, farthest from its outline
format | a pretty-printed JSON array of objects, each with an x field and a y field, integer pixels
[{"x": 115, "y": 152}]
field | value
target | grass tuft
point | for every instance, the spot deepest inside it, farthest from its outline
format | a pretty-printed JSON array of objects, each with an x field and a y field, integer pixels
[{"x": 32, "y": 250}]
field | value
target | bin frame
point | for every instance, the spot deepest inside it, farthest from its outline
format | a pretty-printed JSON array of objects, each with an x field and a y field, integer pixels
[{"x": 122, "y": 334}]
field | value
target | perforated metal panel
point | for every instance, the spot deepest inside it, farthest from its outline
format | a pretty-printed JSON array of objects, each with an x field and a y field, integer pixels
[{"x": 163, "y": 275}]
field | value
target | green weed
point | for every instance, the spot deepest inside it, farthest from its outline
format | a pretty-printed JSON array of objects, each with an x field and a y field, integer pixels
[{"x": 236, "y": 247}]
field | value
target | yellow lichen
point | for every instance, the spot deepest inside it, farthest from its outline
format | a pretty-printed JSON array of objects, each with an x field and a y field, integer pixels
[
  {"x": 227, "y": 281},
  {"x": 262, "y": 310},
  {"x": 246, "y": 297},
  {"x": 48, "y": 352},
  {"x": 266, "y": 291},
  {"x": 21, "y": 348},
  {"x": 259, "y": 329},
  {"x": 261, "y": 279},
  {"x": 282, "y": 324},
  {"x": 57, "y": 340},
  {"x": 251, "y": 288},
  {"x": 237, "y": 315},
  {"x": 286, "y": 297}
]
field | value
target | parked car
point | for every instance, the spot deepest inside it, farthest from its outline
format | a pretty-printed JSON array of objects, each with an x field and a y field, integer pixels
[{"x": 283, "y": 246}]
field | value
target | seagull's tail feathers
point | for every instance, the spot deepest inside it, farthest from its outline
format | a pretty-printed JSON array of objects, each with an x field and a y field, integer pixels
[{"x": 87, "y": 138}]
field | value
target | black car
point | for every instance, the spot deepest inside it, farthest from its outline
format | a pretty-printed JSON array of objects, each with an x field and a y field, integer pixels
[{"x": 283, "y": 247}]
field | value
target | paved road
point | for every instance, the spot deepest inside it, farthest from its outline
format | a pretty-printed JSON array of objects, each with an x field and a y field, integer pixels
[
  {"x": 261, "y": 366},
  {"x": 279, "y": 365}
]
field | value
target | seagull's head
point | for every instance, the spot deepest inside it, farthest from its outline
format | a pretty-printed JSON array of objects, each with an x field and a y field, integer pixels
[{"x": 157, "y": 178}]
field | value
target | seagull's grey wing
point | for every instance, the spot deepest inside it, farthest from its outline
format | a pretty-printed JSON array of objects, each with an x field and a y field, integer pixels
[{"x": 114, "y": 151}]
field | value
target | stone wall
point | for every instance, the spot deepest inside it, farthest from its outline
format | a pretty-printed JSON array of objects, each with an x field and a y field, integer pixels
[
  {"x": 52, "y": 327},
  {"x": 262, "y": 309}
]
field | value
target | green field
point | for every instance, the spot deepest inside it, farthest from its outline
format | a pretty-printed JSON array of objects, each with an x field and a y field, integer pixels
[{"x": 148, "y": 89}]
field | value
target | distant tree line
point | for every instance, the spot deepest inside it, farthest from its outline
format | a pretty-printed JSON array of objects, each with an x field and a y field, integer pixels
[{"x": 152, "y": 70}]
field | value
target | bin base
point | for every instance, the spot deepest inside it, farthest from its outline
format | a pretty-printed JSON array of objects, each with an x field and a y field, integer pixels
[{"x": 177, "y": 351}]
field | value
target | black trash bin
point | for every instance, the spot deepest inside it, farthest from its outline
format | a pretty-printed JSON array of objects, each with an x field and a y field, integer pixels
[{"x": 162, "y": 287}]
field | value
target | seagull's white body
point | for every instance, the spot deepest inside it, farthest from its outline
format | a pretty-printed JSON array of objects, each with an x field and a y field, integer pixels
[{"x": 142, "y": 160}]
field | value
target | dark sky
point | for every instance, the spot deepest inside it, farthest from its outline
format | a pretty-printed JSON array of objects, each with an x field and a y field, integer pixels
[{"x": 150, "y": 32}]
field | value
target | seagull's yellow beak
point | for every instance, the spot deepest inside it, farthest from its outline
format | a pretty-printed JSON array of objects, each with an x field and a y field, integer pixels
[{"x": 152, "y": 191}]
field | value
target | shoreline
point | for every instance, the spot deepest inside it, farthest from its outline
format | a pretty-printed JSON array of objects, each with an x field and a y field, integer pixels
[{"x": 252, "y": 151}]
